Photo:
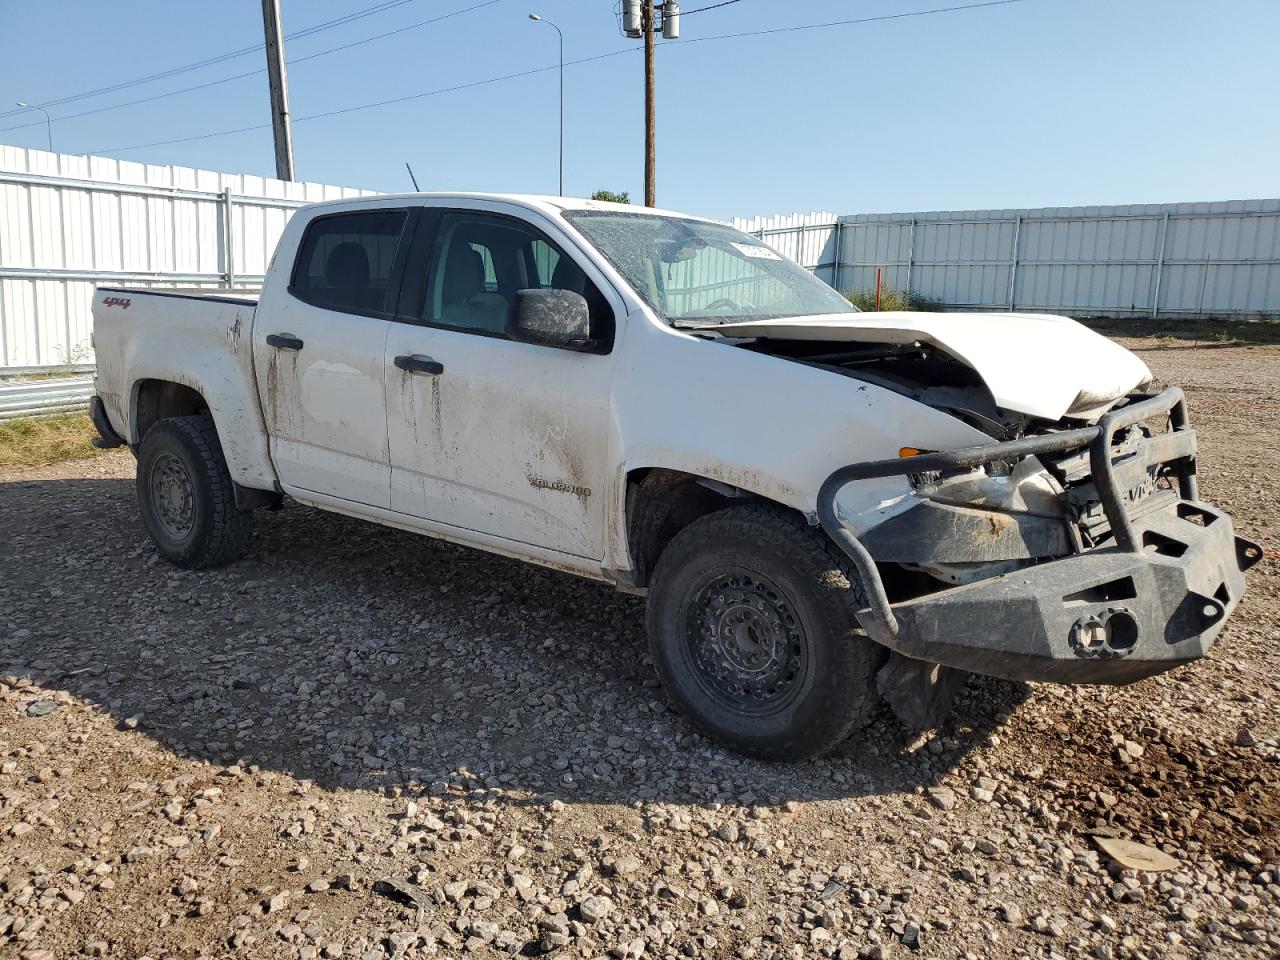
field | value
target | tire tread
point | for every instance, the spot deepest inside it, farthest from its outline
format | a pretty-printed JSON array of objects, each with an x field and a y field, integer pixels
[{"x": 230, "y": 528}]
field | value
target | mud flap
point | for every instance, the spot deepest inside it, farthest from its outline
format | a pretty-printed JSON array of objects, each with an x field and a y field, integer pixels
[{"x": 920, "y": 693}]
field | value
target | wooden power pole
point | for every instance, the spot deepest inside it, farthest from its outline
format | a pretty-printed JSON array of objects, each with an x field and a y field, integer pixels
[
  {"x": 279, "y": 89},
  {"x": 650, "y": 113}
]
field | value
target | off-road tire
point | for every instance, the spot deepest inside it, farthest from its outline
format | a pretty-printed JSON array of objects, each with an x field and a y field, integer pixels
[
  {"x": 783, "y": 579},
  {"x": 205, "y": 529}
]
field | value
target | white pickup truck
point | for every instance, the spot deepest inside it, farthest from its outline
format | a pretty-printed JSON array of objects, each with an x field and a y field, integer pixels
[{"x": 823, "y": 506}]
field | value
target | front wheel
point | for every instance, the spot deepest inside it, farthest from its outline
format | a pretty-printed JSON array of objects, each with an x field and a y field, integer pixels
[
  {"x": 186, "y": 495},
  {"x": 752, "y": 627}
]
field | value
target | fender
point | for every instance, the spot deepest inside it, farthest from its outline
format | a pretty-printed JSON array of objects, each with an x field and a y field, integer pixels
[{"x": 762, "y": 424}]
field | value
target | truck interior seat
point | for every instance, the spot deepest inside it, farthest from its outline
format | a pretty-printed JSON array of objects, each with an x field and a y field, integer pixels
[
  {"x": 466, "y": 303},
  {"x": 347, "y": 272}
]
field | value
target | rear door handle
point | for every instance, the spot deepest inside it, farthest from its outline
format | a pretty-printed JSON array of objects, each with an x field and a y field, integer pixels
[
  {"x": 417, "y": 363},
  {"x": 284, "y": 341}
]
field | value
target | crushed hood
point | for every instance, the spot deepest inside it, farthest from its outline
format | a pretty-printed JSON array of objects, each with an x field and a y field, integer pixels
[{"x": 1033, "y": 363}]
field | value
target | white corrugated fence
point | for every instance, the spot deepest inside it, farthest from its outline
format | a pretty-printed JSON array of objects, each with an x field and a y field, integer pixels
[
  {"x": 1218, "y": 259},
  {"x": 69, "y": 222}
]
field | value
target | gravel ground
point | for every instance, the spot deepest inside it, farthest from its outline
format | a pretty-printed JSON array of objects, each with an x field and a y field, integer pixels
[{"x": 361, "y": 743}]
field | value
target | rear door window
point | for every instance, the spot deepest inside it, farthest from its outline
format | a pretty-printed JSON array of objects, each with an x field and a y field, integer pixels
[{"x": 346, "y": 261}]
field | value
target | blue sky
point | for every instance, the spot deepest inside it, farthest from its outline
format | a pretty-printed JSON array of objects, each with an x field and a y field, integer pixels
[{"x": 1033, "y": 103}]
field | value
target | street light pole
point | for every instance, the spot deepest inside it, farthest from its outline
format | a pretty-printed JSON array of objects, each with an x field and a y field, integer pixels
[
  {"x": 48, "y": 121},
  {"x": 538, "y": 19}
]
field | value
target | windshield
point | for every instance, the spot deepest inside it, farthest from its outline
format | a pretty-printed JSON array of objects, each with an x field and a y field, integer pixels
[{"x": 695, "y": 273}]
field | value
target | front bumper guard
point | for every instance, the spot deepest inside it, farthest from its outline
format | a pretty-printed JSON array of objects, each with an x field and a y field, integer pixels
[{"x": 1116, "y": 614}]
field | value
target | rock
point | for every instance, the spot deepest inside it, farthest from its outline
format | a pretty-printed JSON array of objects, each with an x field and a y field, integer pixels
[
  {"x": 41, "y": 708},
  {"x": 833, "y": 889},
  {"x": 595, "y": 909},
  {"x": 1010, "y": 912},
  {"x": 404, "y": 892},
  {"x": 1245, "y": 738},
  {"x": 626, "y": 866},
  {"x": 944, "y": 798},
  {"x": 1135, "y": 856}
]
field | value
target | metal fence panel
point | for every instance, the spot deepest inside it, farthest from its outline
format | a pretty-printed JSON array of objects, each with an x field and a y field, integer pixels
[
  {"x": 1184, "y": 259},
  {"x": 69, "y": 222}
]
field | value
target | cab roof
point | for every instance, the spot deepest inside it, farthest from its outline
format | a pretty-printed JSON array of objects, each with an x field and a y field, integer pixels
[{"x": 543, "y": 204}]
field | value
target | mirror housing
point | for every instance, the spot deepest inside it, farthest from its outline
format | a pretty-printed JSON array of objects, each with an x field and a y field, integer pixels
[{"x": 552, "y": 318}]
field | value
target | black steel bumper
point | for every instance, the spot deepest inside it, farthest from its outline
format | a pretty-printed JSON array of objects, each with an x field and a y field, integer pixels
[{"x": 1155, "y": 598}]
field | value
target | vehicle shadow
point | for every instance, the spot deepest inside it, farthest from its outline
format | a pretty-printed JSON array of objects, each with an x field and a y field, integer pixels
[{"x": 357, "y": 656}]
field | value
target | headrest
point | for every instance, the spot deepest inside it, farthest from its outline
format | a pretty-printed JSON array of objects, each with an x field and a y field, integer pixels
[
  {"x": 568, "y": 276},
  {"x": 347, "y": 267},
  {"x": 463, "y": 273}
]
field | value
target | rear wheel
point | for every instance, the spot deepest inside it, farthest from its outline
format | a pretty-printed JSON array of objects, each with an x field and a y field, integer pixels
[
  {"x": 186, "y": 496},
  {"x": 752, "y": 627}
]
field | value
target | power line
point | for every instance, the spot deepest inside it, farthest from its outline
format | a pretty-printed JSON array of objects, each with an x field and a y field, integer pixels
[
  {"x": 537, "y": 70},
  {"x": 714, "y": 6},
  {"x": 845, "y": 23},
  {"x": 230, "y": 55},
  {"x": 253, "y": 73},
  {"x": 369, "y": 106}
]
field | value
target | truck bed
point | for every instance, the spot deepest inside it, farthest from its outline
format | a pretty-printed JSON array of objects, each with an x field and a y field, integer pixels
[{"x": 196, "y": 339}]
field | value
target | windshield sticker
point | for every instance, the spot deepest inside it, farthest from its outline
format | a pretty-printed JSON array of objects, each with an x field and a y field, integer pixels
[{"x": 754, "y": 250}]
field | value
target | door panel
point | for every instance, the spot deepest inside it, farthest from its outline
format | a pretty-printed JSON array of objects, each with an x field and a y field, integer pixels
[
  {"x": 325, "y": 404},
  {"x": 508, "y": 440},
  {"x": 318, "y": 357},
  {"x": 494, "y": 435}
]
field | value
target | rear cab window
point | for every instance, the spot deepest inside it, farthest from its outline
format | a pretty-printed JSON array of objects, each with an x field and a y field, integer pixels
[{"x": 346, "y": 261}]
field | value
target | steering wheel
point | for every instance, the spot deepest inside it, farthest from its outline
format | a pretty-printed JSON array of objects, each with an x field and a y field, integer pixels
[{"x": 724, "y": 303}]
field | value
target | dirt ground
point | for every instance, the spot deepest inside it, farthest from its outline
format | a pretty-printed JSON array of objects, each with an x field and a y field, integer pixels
[{"x": 229, "y": 763}]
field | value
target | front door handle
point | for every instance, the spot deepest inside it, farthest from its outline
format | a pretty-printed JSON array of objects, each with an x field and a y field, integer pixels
[
  {"x": 417, "y": 363},
  {"x": 284, "y": 341}
]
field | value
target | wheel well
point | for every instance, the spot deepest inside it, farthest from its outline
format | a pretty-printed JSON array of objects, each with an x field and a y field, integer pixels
[
  {"x": 661, "y": 503},
  {"x": 161, "y": 399}
]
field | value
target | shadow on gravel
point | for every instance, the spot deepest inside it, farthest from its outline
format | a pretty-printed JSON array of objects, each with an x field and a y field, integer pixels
[{"x": 357, "y": 656}]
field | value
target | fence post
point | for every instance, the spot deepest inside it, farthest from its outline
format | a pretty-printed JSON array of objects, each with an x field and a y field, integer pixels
[
  {"x": 911, "y": 255},
  {"x": 1204, "y": 282},
  {"x": 1013, "y": 267},
  {"x": 1164, "y": 240},
  {"x": 835, "y": 265},
  {"x": 228, "y": 240}
]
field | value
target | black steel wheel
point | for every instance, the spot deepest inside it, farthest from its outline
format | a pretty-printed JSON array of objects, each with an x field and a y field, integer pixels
[
  {"x": 752, "y": 626},
  {"x": 748, "y": 647}
]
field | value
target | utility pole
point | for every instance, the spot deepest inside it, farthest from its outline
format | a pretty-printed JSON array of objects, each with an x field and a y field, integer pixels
[
  {"x": 650, "y": 109},
  {"x": 640, "y": 20},
  {"x": 279, "y": 81}
]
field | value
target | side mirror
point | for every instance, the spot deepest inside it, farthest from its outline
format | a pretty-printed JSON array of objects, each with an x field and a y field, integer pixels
[{"x": 553, "y": 318}]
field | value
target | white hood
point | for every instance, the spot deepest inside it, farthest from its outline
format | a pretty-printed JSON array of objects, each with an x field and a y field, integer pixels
[{"x": 1033, "y": 363}]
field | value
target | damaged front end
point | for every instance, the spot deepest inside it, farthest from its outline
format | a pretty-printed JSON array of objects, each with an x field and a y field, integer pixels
[{"x": 1075, "y": 555}]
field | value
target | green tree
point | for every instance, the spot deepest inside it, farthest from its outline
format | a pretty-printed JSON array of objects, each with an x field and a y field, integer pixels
[{"x": 611, "y": 197}]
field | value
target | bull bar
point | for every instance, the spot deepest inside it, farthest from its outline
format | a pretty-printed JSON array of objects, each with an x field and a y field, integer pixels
[{"x": 1155, "y": 597}]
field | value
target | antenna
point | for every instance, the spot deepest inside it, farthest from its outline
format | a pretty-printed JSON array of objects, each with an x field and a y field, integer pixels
[{"x": 412, "y": 177}]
